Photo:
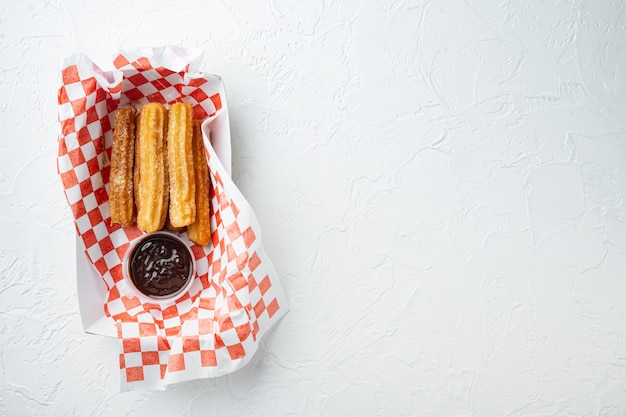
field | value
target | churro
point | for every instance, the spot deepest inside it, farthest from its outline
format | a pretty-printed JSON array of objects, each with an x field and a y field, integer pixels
[
  {"x": 159, "y": 167},
  {"x": 182, "y": 210},
  {"x": 151, "y": 174},
  {"x": 199, "y": 231},
  {"x": 121, "y": 174}
]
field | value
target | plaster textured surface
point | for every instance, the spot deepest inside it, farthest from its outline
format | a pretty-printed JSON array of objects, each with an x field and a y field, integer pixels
[{"x": 441, "y": 186}]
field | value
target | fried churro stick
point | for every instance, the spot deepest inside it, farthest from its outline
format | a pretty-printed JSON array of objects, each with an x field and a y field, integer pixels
[
  {"x": 199, "y": 231},
  {"x": 121, "y": 202},
  {"x": 180, "y": 160},
  {"x": 168, "y": 225},
  {"x": 151, "y": 191}
]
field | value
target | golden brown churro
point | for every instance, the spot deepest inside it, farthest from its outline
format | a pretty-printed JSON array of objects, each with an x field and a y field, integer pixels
[
  {"x": 121, "y": 174},
  {"x": 159, "y": 167},
  {"x": 182, "y": 209},
  {"x": 199, "y": 231},
  {"x": 151, "y": 174}
]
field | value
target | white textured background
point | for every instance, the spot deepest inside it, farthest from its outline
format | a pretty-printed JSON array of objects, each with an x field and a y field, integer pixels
[{"x": 441, "y": 186}]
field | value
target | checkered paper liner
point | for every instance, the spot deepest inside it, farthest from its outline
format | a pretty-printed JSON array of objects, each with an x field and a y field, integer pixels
[{"x": 215, "y": 327}]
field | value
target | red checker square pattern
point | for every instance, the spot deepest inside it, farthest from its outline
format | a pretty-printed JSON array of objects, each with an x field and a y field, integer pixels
[
  {"x": 93, "y": 166},
  {"x": 164, "y": 72},
  {"x": 199, "y": 95},
  {"x": 176, "y": 362},
  {"x": 265, "y": 284},
  {"x": 92, "y": 115},
  {"x": 142, "y": 63},
  {"x": 272, "y": 308},
  {"x": 69, "y": 179},
  {"x": 137, "y": 79},
  {"x": 212, "y": 329},
  {"x": 131, "y": 345},
  {"x": 156, "y": 97},
  {"x": 217, "y": 101},
  {"x": 116, "y": 272},
  {"x": 162, "y": 83},
  {"x": 150, "y": 358},
  {"x": 89, "y": 85},
  {"x": 63, "y": 98},
  {"x": 134, "y": 94},
  {"x": 236, "y": 351},
  {"x": 191, "y": 343},
  {"x": 208, "y": 358},
  {"x": 70, "y": 75},
  {"x": 134, "y": 374}
]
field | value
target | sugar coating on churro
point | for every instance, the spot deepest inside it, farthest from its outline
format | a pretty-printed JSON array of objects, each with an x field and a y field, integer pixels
[
  {"x": 199, "y": 231},
  {"x": 182, "y": 210},
  {"x": 151, "y": 191},
  {"x": 121, "y": 201},
  {"x": 159, "y": 167}
]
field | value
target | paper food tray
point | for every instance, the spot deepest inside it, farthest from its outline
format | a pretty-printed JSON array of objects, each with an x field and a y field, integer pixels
[{"x": 91, "y": 289}]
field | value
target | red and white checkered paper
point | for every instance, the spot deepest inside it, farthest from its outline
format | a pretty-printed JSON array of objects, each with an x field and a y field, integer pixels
[{"x": 215, "y": 327}]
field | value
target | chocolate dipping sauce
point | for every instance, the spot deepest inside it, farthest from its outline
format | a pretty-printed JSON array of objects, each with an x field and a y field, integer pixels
[{"x": 160, "y": 266}]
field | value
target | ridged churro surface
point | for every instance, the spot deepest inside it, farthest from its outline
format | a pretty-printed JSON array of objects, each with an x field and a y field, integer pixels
[
  {"x": 182, "y": 210},
  {"x": 199, "y": 231},
  {"x": 121, "y": 201},
  {"x": 151, "y": 174}
]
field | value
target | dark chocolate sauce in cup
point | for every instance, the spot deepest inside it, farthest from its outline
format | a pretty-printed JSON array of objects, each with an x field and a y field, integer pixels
[{"x": 160, "y": 266}]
